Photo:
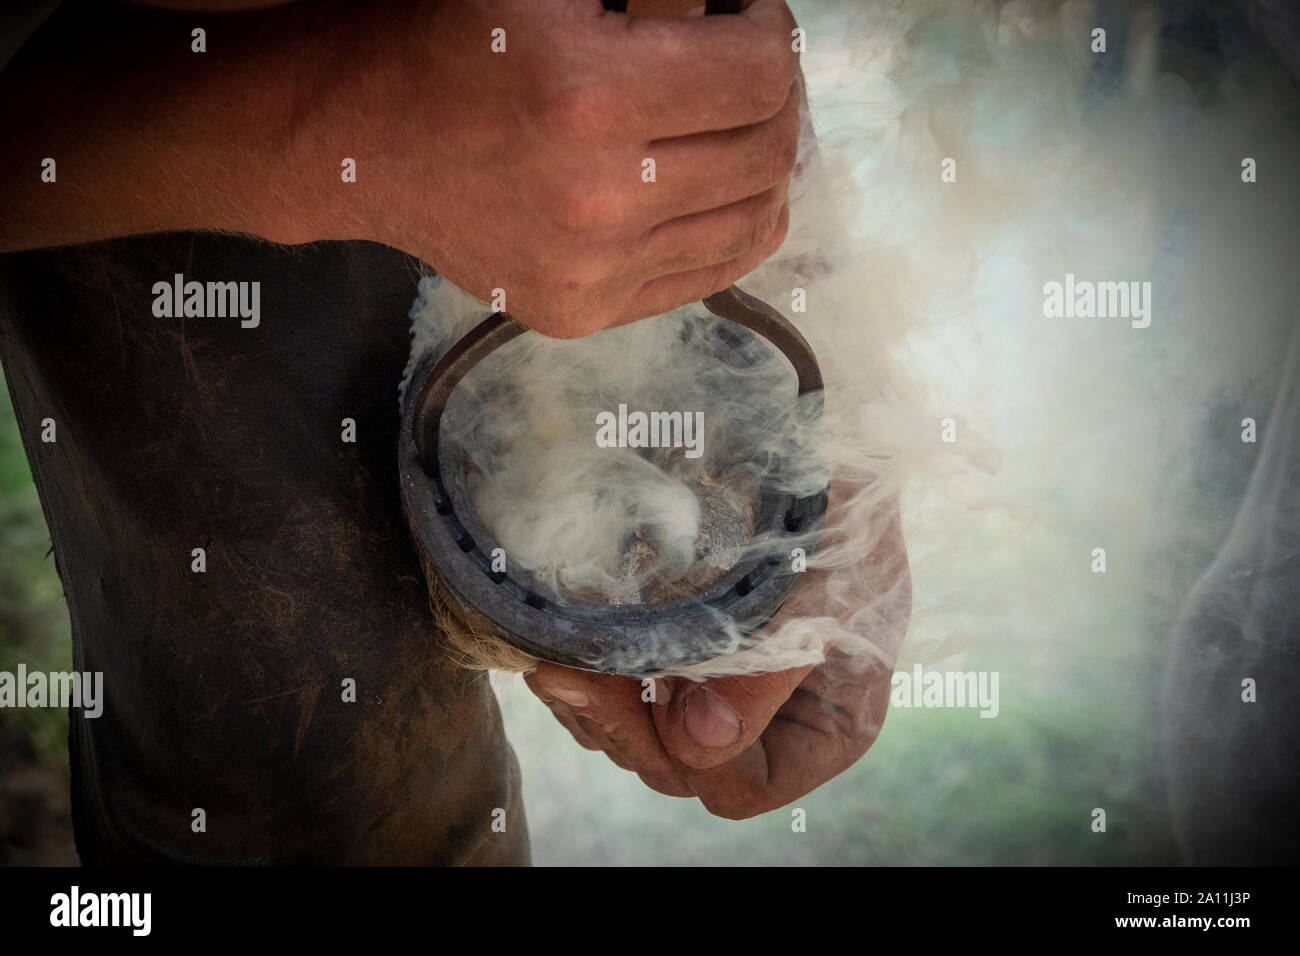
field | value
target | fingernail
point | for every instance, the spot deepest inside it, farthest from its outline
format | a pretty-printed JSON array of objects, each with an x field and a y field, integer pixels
[
  {"x": 574, "y": 698},
  {"x": 710, "y": 720}
]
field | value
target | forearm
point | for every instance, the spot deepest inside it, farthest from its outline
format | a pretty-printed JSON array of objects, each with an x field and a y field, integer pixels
[
  {"x": 514, "y": 165},
  {"x": 148, "y": 136}
]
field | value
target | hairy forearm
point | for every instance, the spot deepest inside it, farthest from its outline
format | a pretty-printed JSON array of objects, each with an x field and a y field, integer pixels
[
  {"x": 510, "y": 144},
  {"x": 147, "y": 135}
]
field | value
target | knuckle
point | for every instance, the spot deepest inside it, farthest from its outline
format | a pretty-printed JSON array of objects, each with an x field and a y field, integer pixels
[
  {"x": 739, "y": 806},
  {"x": 777, "y": 236},
  {"x": 765, "y": 100},
  {"x": 618, "y": 760},
  {"x": 758, "y": 233},
  {"x": 780, "y": 151},
  {"x": 769, "y": 82},
  {"x": 787, "y": 19},
  {"x": 668, "y": 786},
  {"x": 772, "y": 164},
  {"x": 788, "y": 147},
  {"x": 667, "y": 45},
  {"x": 783, "y": 22},
  {"x": 719, "y": 277}
]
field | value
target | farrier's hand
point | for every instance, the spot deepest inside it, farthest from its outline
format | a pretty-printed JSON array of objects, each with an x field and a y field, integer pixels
[
  {"x": 519, "y": 170},
  {"x": 746, "y": 745},
  {"x": 525, "y": 170}
]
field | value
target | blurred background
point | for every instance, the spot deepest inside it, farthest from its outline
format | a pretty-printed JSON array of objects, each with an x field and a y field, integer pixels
[
  {"x": 35, "y": 814},
  {"x": 1086, "y": 434}
]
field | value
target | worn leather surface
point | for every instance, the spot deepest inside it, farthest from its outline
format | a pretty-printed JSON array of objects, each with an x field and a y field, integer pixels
[{"x": 224, "y": 689}]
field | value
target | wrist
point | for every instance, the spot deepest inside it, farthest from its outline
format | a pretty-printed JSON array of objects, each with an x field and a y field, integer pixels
[{"x": 345, "y": 125}]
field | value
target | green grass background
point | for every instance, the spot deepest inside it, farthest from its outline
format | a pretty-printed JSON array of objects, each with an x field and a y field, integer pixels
[{"x": 33, "y": 617}]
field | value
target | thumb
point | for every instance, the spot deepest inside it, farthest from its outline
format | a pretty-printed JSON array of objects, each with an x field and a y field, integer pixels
[{"x": 707, "y": 724}]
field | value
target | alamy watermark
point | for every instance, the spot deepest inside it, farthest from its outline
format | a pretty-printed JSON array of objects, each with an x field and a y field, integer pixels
[
  {"x": 651, "y": 430},
  {"x": 921, "y": 688},
  {"x": 1085, "y": 299},
  {"x": 208, "y": 300},
  {"x": 75, "y": 908},
  {"x": 62, "y": 689}
]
